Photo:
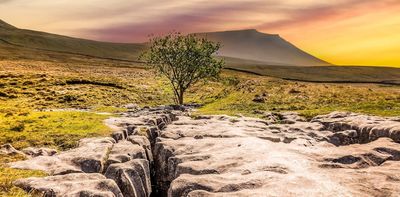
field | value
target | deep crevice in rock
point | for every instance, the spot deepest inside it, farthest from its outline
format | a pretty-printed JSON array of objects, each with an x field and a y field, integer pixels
[{"x": 347, "y": 133}]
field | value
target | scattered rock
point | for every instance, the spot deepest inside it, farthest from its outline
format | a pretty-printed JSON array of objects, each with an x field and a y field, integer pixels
[
  {"x": 132, "y": 107},
  {"x": 294, "y": 91},
  {"x": 291, "y": 118},
  {"x": 260, "y": 98}
]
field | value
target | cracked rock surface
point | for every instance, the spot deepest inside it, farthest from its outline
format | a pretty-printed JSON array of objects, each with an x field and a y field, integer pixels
[
  {"x": 104, "y": 166},
  {"x": 74, "y": 184},
  {"x": 164, "y": 152},
  {"x": 227, "y": 156}
]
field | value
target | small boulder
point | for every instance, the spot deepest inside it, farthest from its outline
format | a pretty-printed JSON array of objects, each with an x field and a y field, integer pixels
[
  {"x": 132, "y": 107},
  {"x": 260, "y": 98},
  {"x": 294, "y": 91}
]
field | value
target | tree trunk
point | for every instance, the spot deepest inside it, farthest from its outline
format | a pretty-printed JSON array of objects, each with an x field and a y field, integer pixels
[{"x": 180, "y": 98}]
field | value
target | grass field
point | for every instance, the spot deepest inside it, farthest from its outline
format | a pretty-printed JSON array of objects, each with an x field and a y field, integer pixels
[
  {"x": 41, "y": 85},
  {"x": 53, "y": 99},
  {"x": 323, "y": 74},
  {"x": 31, "y": 90},
  {"x": 17, "y": 44}
]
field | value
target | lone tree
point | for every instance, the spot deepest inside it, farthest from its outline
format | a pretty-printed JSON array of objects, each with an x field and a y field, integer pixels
[{"x": 184, "y": 60}]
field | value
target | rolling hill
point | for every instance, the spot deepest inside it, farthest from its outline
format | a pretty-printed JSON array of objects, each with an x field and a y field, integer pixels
[
  {"x": 246, "y": 50},
  {"x": 51, "y": 42},
  {"x": 238, "y": 46}
]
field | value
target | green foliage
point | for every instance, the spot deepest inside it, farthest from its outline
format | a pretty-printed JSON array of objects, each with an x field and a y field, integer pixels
[{"x": 184, "y": 60}]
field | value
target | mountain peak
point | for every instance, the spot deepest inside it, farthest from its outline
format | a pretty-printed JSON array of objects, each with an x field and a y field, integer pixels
[
  {"x": 6, "y": 25},
  {"x": 240, "y": 33},
  {"x": 250, "y": 44}
]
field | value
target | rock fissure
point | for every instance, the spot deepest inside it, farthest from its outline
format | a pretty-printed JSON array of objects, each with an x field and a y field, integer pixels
[
  {"x": 351, "y": 128},
  {"x": 164, "y": 152},
  {"x": 120, "y": 165}
]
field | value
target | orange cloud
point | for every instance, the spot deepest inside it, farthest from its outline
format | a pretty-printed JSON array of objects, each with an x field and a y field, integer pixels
[{"x": 341, "y": 31}]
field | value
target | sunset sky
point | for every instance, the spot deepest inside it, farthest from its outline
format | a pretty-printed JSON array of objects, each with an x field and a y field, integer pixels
[{"x": 348, "y": 32}]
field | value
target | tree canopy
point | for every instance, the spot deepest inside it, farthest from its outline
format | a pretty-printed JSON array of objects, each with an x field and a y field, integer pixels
[{"x": 184, "y": 60}]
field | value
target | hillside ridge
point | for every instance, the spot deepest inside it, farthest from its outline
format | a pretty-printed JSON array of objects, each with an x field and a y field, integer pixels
[
  {"x": 3, "y": 24},
  {"x": 241, "y": 46}
]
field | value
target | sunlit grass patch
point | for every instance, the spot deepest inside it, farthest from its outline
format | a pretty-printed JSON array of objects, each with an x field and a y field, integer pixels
[
  {"x": 57, "y": 129},
  {"x": 309, "y": 99}
]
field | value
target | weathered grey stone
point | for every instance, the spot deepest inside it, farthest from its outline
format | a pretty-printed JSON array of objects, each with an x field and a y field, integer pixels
[
  {"x": 132, "y": 106},
  {"x": 131, "y": 130},
  {"x": 71, "y": 185},
  {"x": 8, "y": 149},
  {"x": 35, "y": 152},
  {"x": 89, "y": 157},
  {"x": 124, "y": 151},
  {"x": 368, "y": 128},
  {"x": 144, "y": 143},
  {"x": 226, "y": 156},
  {"x": 133, "y": 177},
  {"x": 118, "y": 135}
]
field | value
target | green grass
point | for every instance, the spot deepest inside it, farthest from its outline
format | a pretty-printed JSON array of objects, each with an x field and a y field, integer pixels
[
  {"x": 23, "y": 128},
  {"x": 56, "y": 103},
  {"x": 309, "y": 99},
  {"x": 41, "y": 85},
  {"x": 53, "y": 91},
  {"x": 51, "y": 42},
  {"x": 346, "y": 74},
  {"x": 17, "y": 44},
  {"x": 59, "y": 130}
]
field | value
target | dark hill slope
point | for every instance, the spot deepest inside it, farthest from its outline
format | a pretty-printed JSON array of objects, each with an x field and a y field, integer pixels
[{"x": 52, "y": 42}]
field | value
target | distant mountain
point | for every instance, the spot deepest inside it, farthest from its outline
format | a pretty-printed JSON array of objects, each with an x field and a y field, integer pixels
[
  {"x": 239, "y": 47},
  {"x": 266, "y": 48},
  {"x": 247, "y": 51}
]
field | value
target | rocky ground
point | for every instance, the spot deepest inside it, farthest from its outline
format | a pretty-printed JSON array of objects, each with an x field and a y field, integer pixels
[{"x": 164, "y": 152}]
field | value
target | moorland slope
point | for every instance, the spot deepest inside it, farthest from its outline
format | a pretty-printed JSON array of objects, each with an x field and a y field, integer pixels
[{"x": 244, "y": 50}]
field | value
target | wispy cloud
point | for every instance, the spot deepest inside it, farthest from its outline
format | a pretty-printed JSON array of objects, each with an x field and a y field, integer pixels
[
  {"x": 125, "y": 20},
  {"x": 307, "y": 23}
]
